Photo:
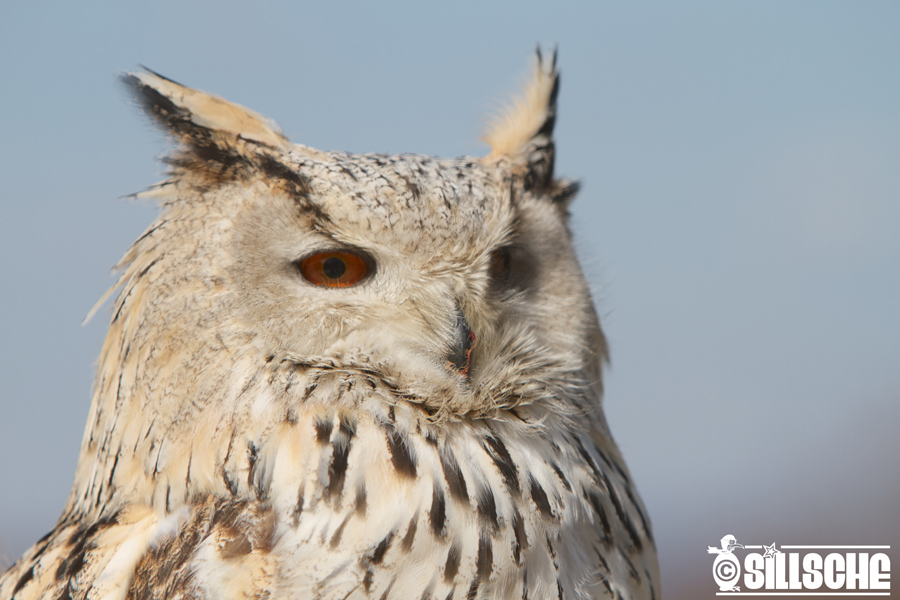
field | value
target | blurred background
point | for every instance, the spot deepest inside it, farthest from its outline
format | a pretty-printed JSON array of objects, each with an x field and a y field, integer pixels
[{"x": 738, "y": 220}]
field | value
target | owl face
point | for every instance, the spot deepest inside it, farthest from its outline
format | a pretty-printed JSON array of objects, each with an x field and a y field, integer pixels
[
  {"x": 451, "y": 279},
  {"x": 431, "y": 273}
]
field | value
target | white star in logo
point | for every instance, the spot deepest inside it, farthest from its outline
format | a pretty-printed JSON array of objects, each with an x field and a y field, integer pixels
[{"x": 771, "y": 550}]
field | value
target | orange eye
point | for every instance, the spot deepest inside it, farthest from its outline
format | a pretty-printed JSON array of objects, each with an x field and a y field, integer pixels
[{"x": 335, "y": 268}]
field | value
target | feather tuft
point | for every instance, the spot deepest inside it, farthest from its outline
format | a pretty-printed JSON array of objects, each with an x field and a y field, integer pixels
[{"x": 527, "y": 116}]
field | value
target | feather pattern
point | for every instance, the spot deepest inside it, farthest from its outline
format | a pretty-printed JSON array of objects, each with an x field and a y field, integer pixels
[{"x": 252, "y": 435}]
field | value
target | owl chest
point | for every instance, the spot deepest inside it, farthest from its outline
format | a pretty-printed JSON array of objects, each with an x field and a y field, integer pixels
[{"x": 386, "y": 511}]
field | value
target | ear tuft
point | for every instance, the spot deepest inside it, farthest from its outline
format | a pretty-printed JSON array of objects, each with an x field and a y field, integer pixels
[
  {"x": 530, "y": 117},
  {"x": 186, "y": 112}
]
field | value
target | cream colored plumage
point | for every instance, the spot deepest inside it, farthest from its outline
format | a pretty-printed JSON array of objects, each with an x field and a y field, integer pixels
[{"x": 432, "y": 429}]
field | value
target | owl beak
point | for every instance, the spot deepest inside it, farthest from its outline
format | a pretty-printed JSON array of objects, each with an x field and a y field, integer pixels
[{"x": 460, "y": 355}]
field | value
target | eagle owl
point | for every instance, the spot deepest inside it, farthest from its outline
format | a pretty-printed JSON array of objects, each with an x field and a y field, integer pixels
[{"x": 347, "y": 376}]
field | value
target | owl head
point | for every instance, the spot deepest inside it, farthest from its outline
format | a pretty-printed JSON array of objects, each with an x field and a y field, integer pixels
[
  {"x": 446, "y": 284},
  {"x": 452, "y": 280}
]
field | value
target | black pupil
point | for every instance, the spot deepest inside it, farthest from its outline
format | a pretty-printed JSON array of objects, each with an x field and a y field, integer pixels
[{"x": 334, "y": 267}]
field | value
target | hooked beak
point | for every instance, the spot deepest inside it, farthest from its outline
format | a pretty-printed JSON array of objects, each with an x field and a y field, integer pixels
[{"x": 459, "y": 356}]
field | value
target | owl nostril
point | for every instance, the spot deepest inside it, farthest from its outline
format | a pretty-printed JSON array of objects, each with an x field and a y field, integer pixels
[{"x": 460, "y": 355}]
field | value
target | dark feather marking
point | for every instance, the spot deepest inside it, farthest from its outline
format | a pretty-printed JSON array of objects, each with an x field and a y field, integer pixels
[
  {"x": 473, "y": 589},
  {"x": 597, "y": 503},
  {"x": 122, "y": 302},
  {"x": 615, "y": 465},
  {"x": 65, "y": 594},
  {"x": 412, "y": 187},
  {"x": 382, "y": 548},
  {"x": 325, "y": 583},
  {"x": 410, "y": 534},
  {"x": 401, "y": 457},
  {"x": 551, "y": 551},
  {"x": 294, "y": 184},
  {"x": 323, "y": 430},
  {"x": 244, "y": 526},
  {"x": 516, "y": 414},
  {"x": 151, "y": 230},
  {"x": 298, "y": 509},
  {"x": 309, "y": 390},
  {"x": 388, "y": 589},
  {"x": 487, "y": 509},
  {"x": 367, "y": 580},
  {"x": 227, "y": 511},
  {"x": 521, "y": 538},
  {"x": 347, "y": 172},
  {"x": 485, "y": 559},
  {"x": 215, "y": 160},
  {"x": 626, "y": 521},
  {"x": 559, "y": 474},
  {"x": 231, "y": 485},
  {"x": 112, "y": 470},
  {"x": 187, "y": 473},
  {"x": 496, "y": 449},
  {"x": 254, "y": 481},
  {"x": 645, "y": 522},
  {"x": 431, "y": 437},
  {"x": 438, "y": 512},
  {"x": 247, "y": 527},
  {"x": 586, "y": 455},
  {"x": 43, "y": 544},
  {"x": 540, "y": 499},
  {"x": 347, "y": 427},
  {"x": 337, "y": 468},
  {"x": 150, "y": 428},
  {"x": 456, "y": 483},
  {"x": 451, "y": 567},
  {"x": 25, "y": 578},
  {"x": 605, "y": 568},
  {"x": 158, "y": 105},
  {"x": 264, "y": 530},
  {"x": 360, "y": 502},
  {"x": 236, "y": 547},
  {"x": 158, "y": 449},
  {"x": 336, "y": 538},
  {"x": 80, "y": 541},
  {"x": 450, "y": 593},
  {"x": 632, "y": 571},
  {"x": 649, "y": 581}
]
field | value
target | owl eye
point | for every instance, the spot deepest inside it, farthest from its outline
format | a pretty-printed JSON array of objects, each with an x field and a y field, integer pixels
[
  {"x": 335, "y": 268},
  {"x": 512, "y": 269},
  {"x": 499, "y": 266}
]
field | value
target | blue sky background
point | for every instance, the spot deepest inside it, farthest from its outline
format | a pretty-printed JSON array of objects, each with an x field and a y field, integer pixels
[{"x": 738, "y": 220}]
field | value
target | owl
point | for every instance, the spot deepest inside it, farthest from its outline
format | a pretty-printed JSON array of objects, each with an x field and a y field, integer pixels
[{"x": 348, "y": 376}]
